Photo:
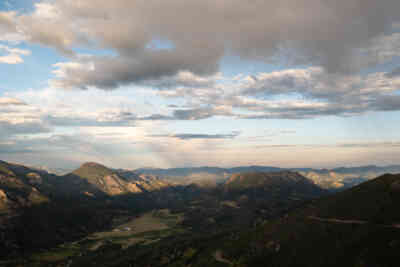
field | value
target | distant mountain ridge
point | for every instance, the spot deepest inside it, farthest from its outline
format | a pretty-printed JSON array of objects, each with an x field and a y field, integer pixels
[
  {"x": 39, "y": 209},
  {"x": 283, "y": 214},
  {"x": 256, "y": 179},
  {"x": 271, "y": 186},
  {"x": 333, "y": 179},
  {"x": 336, "y": 178}
]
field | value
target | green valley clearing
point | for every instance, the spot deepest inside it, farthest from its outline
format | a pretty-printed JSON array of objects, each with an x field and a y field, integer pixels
[{"x": 147, "y": 228}]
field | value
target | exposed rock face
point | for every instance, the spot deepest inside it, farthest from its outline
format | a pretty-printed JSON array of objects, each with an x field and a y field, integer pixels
[
  {"x": 19, "y": 187},
  {"x": 3, "y": 196},
  {"x": 114, "y": 182},
  {"x": 151, "y": 183},
  {"x": 3, "y": 200},
  {"x": 134, "y": 188},
  {"x": 113, "y": 185},
  {"x": 89, "y": 194},
  {"x": 34, "y": 178}
]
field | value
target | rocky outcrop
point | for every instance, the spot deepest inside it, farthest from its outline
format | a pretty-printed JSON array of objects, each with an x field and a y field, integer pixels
[
  {"x": 3, "y": 200},
  {"x": 117, "y": 182},
  {"x": 34, "y": 178},
  {"x": 3, "y": 196}
]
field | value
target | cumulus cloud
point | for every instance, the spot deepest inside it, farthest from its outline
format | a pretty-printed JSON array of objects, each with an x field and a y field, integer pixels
[
  {"x": 294, "y": 94},
  {"x": 288, "y": 94},
  {"x": 184, "y": 80},
  {"x": 382, "y": 49},
  {"x": 8, "y": 28},
  {"x": 319, "y": 93},
  {"x": 332, "y": 52},
  {"x": 8, "y": 22},
  {"x": 8, "y": 101},
  {"x": 339, "y": 37},
  {"x": 315, "y": 83},
  {"x": 111, "y": 72},
  {"x": 101, "y": 73},
  {"x": 13, "y": 55}
]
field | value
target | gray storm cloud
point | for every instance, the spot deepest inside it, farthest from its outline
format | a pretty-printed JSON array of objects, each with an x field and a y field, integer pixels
[{"x": 331, "y": 34}]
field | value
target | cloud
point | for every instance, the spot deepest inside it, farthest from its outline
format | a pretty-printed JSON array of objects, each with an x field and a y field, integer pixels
[
  {"x": 184, "y": 79},
  {"x": 303, "y": 93},
  {"x": 43, "y": 112},
  {"x": 173, "y": 106},
  {"x": 394, "y": 73},
  {"x": 198, "y": 113},
  {"x": 9, "y": 129},
  {"x": 387, "y": 103},
  {"x": 307, "y": 93},
  {"x": 58, "y": 149},
  {"x": 185, "y": 136},
  {"x": 342, "y": 37},
  {"x": 382, "y": 49},
  {"x": 13, "y": 56},
  {"x": 201, "y": 113},
  {"x": 287, "y": 132},
  {"x": 370, "y": 144},
  {"x": 276, "y": 146},
  {"x": 108, "y": 118},
  {"x": 112, "y": 72},
  {"x": 18, "y": 118},
  {"x": 315, "y": 83},
  {"x": 8, "y": 101},
  {"x": 8, "y": 28},
  {"x": 155, "y": 117},
  {"x": 8, "y": 22}
]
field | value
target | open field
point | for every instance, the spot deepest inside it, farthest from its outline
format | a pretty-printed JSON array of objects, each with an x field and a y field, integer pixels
[{"x": 147, "y": 228}]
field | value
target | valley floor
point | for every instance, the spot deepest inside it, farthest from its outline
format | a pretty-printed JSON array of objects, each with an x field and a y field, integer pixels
[{"x": 144, "y": 229}]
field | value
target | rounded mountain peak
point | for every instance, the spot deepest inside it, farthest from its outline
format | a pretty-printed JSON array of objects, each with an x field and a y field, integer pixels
[{"x": 91, "y": 165}]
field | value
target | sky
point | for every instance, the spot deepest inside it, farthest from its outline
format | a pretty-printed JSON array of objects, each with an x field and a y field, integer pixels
[{"x": 155, "y": 83}]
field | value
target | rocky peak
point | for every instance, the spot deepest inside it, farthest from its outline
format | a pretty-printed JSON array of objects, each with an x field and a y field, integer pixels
[{"x": 3, "y": 196}]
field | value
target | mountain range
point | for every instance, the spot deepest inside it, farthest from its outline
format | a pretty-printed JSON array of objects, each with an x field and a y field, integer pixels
[
  {"x": 356, "y": 227},
  {"x": 333, "y": 179},
  {"x": 245, "y": 216}
]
